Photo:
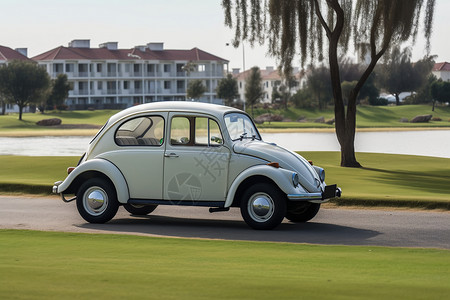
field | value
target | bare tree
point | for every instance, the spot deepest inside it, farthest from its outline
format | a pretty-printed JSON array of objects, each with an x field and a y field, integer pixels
[{"x": 303, "y": 27}]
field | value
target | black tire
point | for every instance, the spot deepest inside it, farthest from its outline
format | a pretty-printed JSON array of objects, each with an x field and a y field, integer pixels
[
  {"x": 139, "y": 210},
  {"x": 263, "y": 206},
  {"x": 97, "y": 201},
  {"x": 302, "y": 212}
]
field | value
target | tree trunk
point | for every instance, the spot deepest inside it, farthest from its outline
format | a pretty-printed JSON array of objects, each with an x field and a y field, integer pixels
[
  {"x": 20, "y": 112},
  {"x": 433, "y": 105},
  {"x": 397, "y": 99},
  {"x": 3, "y": 108},
  {"x": 348, "y": 158}
]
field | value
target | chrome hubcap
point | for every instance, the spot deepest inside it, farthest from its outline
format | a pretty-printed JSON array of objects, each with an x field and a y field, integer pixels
[
  {"x": 95, "y": 200},
  {"x": 260, "y": 207}
]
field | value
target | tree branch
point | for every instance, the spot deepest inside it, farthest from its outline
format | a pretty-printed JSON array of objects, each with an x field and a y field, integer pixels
[{"x": 321, "y": 19}]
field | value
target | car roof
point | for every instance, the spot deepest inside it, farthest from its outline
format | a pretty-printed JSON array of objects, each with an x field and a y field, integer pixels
[{"x": 175, "y": 106}]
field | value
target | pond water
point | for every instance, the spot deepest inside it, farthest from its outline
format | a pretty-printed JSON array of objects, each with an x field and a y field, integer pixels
[{"x": 428, "y": 143}]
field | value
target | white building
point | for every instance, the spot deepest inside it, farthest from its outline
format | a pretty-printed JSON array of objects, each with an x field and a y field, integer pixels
[
  {"x": 271, "y": 80},
  {"x": 442, "y": 71},
  {"x": 7, "y": 55},
  {"x": 109, "y": 77}
]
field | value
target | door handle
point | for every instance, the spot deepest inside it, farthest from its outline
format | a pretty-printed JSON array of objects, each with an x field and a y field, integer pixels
[{"x": 170, "y": 155}]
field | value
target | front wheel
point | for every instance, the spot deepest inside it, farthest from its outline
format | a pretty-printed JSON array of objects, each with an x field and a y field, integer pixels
[
  {"x": 263, "y": 206},
  {"x": 302, "y": 212},
  {"x": 139, "y": 210},
  {"x": 97, "y": 201}
]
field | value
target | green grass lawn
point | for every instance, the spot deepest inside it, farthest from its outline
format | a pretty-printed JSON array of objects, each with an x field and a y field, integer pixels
[
  {"x": 389, "y": 179},
  {"x": 11, "y": 122},
  {"x": 386, "y": 179},
  {"x": 50, "y": 265},
  {"x": 33, "y": 174},
  {"x": 367, "y": 117}
]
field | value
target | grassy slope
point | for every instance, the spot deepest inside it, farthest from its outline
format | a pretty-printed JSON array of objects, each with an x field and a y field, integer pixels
[
  {"x": 80, "y": 266},
  {"x": 33, "y": 174},
  {"x": 367, "y": 116},
  {"x": 11, "y": 122},
  {"x": 386, "y": 179}
]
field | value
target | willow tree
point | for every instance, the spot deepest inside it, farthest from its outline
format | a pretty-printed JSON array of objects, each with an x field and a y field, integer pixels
[{"x": 307, "y": 27}]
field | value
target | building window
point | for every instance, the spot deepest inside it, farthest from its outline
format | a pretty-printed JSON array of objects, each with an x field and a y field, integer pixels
[
  {"x": 126, "y": 85},
  {"x": 167, "y": 85},
  {"x": 99, "y": 68},
  {"x": 166, "y": 68},
  {"x": 58, "y": 68},
  {"x": 99, "y": 85},
  {"x": 137, "y": 84},
  {"x": 127, "y": 68},
  {"x": 201, "y": 68},
  {"x": 136, "y": 68},
  {"x": 111, "y": 86},
  {"x": 111, "y": 68},
  {"x": 70, "y": 68}
]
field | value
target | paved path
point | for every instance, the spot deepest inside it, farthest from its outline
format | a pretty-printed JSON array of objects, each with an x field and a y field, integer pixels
[{"x": 330, "y": 226}]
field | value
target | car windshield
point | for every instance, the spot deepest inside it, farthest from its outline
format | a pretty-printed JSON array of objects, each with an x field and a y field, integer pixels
[{"x": 240, "y": 126}]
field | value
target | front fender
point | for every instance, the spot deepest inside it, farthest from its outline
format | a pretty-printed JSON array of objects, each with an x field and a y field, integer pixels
[
  {"x": 98, "y": 165},
  {"x": 281, "y": 177}
]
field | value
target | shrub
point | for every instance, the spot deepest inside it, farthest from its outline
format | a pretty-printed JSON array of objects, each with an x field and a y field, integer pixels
[{"x": 378, "y": 101}]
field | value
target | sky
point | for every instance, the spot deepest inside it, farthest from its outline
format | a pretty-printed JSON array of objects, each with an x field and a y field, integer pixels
[{"x": 42, "y": 25}]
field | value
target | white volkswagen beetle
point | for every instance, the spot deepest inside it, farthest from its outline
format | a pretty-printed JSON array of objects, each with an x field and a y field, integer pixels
[{"x": 187, "y": 153}]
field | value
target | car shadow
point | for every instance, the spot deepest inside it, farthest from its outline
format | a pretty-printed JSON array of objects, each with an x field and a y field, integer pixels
[{"x": 167, "y": 226}]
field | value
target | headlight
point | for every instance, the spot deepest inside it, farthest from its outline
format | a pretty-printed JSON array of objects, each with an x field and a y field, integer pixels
[
  {"x": 321, "y": 173},
  {"x": 295, "y": 180}
]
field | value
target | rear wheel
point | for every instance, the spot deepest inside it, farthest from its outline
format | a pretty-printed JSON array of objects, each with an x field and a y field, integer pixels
[
  {"x": 302, "y": 212},
  {"x": 263, "y": 206},
  {"x": 97, "y": 201},
  {"x": 139, "y": 210}
]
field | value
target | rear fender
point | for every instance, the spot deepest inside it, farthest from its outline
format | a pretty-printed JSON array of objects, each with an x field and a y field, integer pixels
[{"x": 102, "y": 166}]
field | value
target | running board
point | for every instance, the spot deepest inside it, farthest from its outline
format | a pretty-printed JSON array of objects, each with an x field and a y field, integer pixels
[
  {"x": 213, "y": 204},
  {"x": 217, "y": 209}
]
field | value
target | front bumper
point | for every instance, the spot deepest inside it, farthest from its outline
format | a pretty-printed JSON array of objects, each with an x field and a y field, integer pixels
[{"x": 330, "y": 191}]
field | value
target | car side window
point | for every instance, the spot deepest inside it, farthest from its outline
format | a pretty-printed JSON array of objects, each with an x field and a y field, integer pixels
[
  {"x": 195, "y": 131},
  {"x": 180, "y": 131},
  {"x": 141, "y": 131},
  {"x": 207, "y": 132}
]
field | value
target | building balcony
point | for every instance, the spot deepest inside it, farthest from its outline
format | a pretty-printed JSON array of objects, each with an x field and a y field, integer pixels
[{"x": 81, "y": 92}]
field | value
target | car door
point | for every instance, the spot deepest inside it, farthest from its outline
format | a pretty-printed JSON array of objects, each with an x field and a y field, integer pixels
[
  {"x": 195, "y": 160},
  {"x": 139, "y": 154}
]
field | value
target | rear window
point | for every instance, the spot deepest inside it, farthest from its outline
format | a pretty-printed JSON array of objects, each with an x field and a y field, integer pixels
[{"x": 141, "y": 131}]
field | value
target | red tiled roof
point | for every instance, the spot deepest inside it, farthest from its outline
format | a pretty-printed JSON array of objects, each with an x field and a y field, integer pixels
[
  {"x": 265, "y": 74},
  {"x": 68, "y": 53},
  {"x": 443, "y": 66},
  {"x": 7, "y": 53}
]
